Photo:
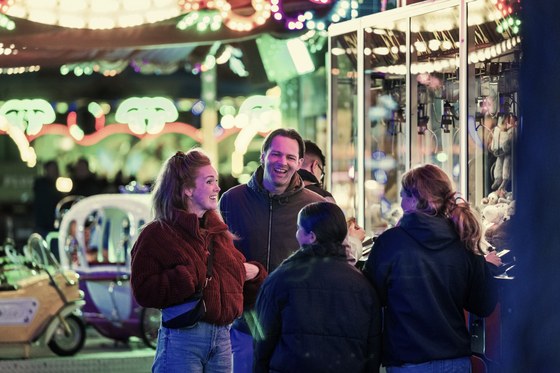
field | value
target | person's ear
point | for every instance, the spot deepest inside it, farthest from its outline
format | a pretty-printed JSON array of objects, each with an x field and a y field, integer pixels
[
  {"x": 299, "y": 163},
  {"x": 314, "y": 164},
  {"x": 188, "y": 192},
  {"x": 312, "y": 237}
]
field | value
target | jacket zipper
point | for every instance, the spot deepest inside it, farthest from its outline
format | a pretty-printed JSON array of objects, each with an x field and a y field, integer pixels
[{"x": 269, "y": 236}]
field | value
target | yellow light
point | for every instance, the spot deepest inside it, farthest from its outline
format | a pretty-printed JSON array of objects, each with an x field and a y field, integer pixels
[
  {"x": 236, "y": 163},
  {"x": 64, "y": 184}
]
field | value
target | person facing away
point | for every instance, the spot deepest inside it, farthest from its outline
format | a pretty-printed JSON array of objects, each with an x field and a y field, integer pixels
[
  {"x": 316, "y": 312},
  {"x": 427, "y": 270},
  {"x": 263, "y": 215},
  {"x": 169, "y": 264},
  {"x": 312, "y": 170}
]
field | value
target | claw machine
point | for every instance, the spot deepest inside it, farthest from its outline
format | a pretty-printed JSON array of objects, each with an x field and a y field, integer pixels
[{"x": 433, "y": 82}]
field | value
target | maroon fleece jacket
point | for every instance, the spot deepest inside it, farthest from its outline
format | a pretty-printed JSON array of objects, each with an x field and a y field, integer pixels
[{"x": 169, "y": 264}]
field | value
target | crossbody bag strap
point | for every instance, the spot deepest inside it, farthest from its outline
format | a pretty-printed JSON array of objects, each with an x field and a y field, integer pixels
[{"x": 210, "y": 262}]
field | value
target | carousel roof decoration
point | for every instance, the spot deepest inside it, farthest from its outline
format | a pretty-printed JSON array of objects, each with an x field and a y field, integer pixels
[
  {"x": 6, "y": 22},
  {"x": 159, "y": 37},
  {"x": 510, "y": 12}
]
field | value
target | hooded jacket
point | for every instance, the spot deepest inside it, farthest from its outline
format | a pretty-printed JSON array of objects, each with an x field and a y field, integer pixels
[
  {"x": 265, "y": 224},
  {"x": 425, "y": 279},
  {"x": 317, "y": 313},
  {"x": 311, "y": 183},
  {"x": 169, "y": 262}
]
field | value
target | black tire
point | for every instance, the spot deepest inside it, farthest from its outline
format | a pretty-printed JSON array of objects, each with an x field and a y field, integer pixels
[
  {"x": 150, "y": 319},
  {"x": 68, "y": 345}
]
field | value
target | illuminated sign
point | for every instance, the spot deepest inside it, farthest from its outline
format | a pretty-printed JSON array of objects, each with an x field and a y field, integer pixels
[
  {"x": 142, "y": 117},
  {"x": 256, "y": 114},
  {"x": 28, "y": 115},
  {"x": 146, "y": 114},
  {"x": 26, "y": 152}
]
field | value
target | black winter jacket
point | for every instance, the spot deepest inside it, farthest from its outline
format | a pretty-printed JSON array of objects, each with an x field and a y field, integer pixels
[
  {"x": 425, "y": 279},
  {"x": 265, "y": 225},
  {"x": 313, "y": 184},
  {"x": 317, "y": 314}
]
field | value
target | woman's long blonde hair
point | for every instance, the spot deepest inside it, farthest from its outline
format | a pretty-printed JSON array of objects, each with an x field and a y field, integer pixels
[{"x": 435, "y": 196}]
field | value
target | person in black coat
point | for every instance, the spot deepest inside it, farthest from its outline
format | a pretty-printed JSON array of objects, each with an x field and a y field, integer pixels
[
  {"x": 46, "y": 198},
  {"x": 316, "y": 312},
  {"x": 427, "y": 271},
  {"x": 312, "y": 170}
]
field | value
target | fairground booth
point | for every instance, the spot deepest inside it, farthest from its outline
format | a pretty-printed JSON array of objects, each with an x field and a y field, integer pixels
[{"x": 433, "y": 82}]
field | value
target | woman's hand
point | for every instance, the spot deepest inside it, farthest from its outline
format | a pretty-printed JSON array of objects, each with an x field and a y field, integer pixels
[
  {"x": 251, "y": 271},
  {"x": 354, "y": 230},
  {"x": 493, "y": 258}
]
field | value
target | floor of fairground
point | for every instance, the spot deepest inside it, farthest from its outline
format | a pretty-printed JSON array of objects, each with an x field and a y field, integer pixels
[{"x": 99, "y": 354}]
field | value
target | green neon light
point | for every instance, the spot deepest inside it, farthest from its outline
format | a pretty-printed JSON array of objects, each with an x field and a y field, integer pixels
[
  {"x": 146, "y": 114},
  {"x": 29, "y": 115},
  {"x": 95, "y": 109}
]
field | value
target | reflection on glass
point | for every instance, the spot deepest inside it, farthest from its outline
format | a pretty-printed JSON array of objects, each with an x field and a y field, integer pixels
[
  {"x": 417, "y": 110},
  {"x": 344, "y": 118},
  {"x": 494, "y": 53},
  {"x": 102, "y": 238},
  {"x": 385, "y": 132},
  {"x": 435, "y": 89}
]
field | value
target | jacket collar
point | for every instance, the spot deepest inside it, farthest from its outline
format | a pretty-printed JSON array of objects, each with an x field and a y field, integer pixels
[
  {"x": 189, "y": 222},
  {"x": 256, "y": 183},
  {"x": 306, "y": 251},
  {"x": 308, "y": 176}
]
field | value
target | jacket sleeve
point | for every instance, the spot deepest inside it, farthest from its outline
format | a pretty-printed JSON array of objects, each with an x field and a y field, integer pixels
[
  {"x": 374, "y": 338},
  {"x": 251, "y": 288},
  {"x": 377, "y": 270},
  {"x": 483, "y": 290},
  {"x": 157, "y": 279},
  {"x": 267, "y": 329}
]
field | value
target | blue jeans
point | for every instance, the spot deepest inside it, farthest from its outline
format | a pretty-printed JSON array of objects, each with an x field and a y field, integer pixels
[
  {"x": 460, "y": 365},
  {"x": 200, "y": 348},
  {"x": 242, "y": 348}
]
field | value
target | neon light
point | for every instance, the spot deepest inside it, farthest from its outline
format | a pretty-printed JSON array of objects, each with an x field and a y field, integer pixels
[
  {"x": 120, "y": 128},
  {"x": 28, "y": 115},
  {"x": 342, "y": 9},
  {"x": 26, "y": 152},
  {"x": 73, "y": 128},
  {"x": 509, "y": 10},
  {"x": 5, "y": 5},
  {"x": 64, "y": 184},
  {"x": 237, "y": 22},
  {"x": 198, "y": 107},
  {"x": 146, "y": 114},
  {"x": 6, "y": 23},
  {"x": 256, "y": 114},
  {"x": 97, "y": 111},
  {"x": 71, "y": 119},
  {"x": 179, "y": 128},
  {"x": 300, "y": 56},
  {"x": 95, "y": 14},
  {"x": 190, "y": 5}
]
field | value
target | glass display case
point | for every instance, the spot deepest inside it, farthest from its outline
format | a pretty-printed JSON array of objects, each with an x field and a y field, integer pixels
[
  {"x": 343, "y": 138},
  {"x": 432, "y": 82}
]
